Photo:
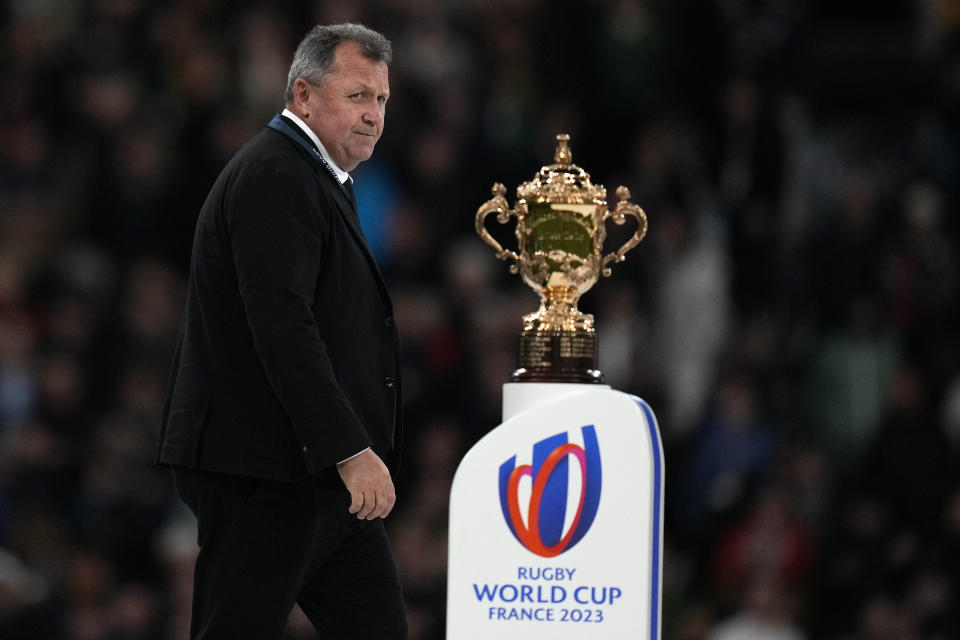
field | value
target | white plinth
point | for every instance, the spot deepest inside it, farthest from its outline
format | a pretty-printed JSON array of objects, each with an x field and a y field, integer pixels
[
  {"x": 523, "y": 396},
  {"x": 556, "y": 520}
]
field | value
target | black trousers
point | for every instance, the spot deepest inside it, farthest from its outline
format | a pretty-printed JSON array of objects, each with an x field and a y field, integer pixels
[{"x": 265, "y": 545}]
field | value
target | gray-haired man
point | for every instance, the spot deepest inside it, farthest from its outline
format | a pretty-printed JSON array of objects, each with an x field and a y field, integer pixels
[{"x": 282, "y": 421}]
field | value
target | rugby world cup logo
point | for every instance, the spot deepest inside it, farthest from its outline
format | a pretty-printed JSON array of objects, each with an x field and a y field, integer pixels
[{"x": 547, "y": 530}]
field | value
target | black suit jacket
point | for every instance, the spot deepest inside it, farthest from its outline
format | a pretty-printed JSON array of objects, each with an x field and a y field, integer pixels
[{"x": 288, "y": 357}]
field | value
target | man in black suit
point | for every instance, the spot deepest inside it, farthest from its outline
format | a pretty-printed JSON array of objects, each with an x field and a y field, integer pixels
[{"x": 282, "y": 420}]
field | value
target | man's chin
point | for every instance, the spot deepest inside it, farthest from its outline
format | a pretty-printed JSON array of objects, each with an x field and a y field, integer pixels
[{"x": 360, "y": 156}]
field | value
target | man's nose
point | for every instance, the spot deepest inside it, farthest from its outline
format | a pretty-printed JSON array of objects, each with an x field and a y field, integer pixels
[{"x": 373, "y": 115}]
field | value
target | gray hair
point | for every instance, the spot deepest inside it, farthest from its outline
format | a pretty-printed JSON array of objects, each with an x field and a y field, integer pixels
[{"x": 313, "y": 60}]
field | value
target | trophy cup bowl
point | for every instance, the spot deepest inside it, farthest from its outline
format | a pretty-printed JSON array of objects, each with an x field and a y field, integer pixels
[{"x": 560, "y": 229}]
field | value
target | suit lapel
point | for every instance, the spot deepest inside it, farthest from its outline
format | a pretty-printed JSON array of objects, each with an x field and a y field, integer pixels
[{"x": 345, "y": 207}]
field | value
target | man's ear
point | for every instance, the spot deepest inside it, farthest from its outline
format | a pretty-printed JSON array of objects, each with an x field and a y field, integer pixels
[{"x": 301, "y": 97}]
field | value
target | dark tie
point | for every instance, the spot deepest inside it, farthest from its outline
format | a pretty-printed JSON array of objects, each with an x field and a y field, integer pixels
[{"x": 348, "y": 187}]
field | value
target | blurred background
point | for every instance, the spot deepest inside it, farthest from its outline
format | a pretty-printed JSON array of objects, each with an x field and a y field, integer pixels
[{"x": 792, "y": 316}]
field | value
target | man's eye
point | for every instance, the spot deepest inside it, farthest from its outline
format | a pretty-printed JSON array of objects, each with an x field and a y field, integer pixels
[{"x": 355, "y": 96}]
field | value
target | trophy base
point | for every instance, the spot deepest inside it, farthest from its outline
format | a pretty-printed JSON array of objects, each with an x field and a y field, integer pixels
[
  {"x": 558, "y": 356},
  {"x": 589, "y": 376}
]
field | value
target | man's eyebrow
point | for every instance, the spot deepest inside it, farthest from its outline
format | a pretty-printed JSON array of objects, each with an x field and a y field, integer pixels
[{"x": 369, "y": 89}]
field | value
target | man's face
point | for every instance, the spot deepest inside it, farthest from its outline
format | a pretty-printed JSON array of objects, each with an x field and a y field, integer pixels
[{"x": 350, "y": 105}]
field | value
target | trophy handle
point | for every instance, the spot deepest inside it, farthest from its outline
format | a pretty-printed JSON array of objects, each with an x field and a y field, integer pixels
[
  {"x": 624, "y": 208},
  {"x": 499, "y": 204}
]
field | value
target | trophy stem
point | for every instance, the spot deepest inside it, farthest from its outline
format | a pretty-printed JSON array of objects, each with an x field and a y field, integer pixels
[{"x": 558, "y": 312}]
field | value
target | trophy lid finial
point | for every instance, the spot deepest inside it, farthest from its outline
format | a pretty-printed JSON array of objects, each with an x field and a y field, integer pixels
[{"x": 563, "y": 156}]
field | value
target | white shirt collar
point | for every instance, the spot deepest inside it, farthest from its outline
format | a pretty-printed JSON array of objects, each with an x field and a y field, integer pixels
[{"x": 342, "y": 175}]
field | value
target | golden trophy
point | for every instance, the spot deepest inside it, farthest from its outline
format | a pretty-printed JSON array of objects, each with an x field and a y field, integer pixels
[{"x": 560, "y": 231}]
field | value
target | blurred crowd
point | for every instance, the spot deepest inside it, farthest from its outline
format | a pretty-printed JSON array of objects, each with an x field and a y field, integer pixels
[{"x": 792, "y": 316}]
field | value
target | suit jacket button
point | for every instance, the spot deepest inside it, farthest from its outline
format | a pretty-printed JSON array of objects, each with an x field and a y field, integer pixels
[
  {"x": 390, "y": 382},
  {"x": 306, "y": 448},
  {"x": 388, "y": 322}
]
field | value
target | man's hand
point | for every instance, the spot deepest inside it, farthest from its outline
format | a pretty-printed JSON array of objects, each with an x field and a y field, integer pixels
[{"x": 368, "y": 481}]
